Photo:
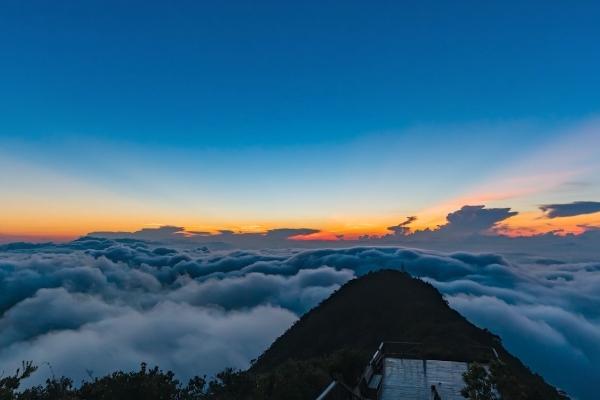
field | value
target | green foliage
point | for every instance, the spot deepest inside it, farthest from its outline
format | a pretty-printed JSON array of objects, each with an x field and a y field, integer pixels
[
  {"x": 195, "y": 389},
  {"x": 145, "y": 384},
  {"x": 478, "y": 383},
  {"x": 10, "y": 384},
  {"x": 231, "y": 385},
  {"x": 304, "y": 379},
  {"x": 293, "y": 380},
  {"x": 61, "y": 388}
]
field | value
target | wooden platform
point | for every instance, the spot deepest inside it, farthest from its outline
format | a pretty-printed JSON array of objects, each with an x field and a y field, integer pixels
[{"x": 412, "y": 379}]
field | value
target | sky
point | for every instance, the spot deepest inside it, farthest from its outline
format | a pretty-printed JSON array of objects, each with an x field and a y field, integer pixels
[
  {"x": 229, "y": 143},
  {"x": 343, "y": 118}
]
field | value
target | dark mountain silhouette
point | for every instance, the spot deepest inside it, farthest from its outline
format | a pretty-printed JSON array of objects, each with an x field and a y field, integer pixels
[{"x": 392, "y": 306}]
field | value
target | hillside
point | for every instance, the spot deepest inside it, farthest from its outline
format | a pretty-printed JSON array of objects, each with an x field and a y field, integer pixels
[{"x": 388, "y": 306}]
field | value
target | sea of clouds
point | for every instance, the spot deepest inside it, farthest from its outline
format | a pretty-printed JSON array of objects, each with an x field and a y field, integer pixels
[{"x": 92, "y": 306}]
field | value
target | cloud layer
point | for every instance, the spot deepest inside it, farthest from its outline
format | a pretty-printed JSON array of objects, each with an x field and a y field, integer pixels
[
  {"x": 95, "y": 305},
  {"x": 470, "y": 228}
]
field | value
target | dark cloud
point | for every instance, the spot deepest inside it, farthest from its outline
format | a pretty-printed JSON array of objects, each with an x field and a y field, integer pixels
[
  {"x": 23, "y": 246},
  {"x": 570, "y": 209},
  {"x": 286, "y": 233},
  {"x": 223, "y": 239},
  {"x": 474, "y": 220},
  {"x": 468, "y": 221},
  {"x": 103, "y": 304},
  {"x": 402, "y": 228},
  {"x": 162, "y": 233}
]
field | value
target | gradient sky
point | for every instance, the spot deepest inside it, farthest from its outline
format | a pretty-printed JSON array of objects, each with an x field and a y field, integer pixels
[{"x": 343, "y": 116}]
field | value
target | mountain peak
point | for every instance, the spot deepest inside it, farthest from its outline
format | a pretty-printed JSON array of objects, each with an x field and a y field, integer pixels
[{"x": 389, "y": 305}]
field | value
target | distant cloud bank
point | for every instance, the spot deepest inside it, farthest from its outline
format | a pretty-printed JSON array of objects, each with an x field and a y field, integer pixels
[
  {"x": 472, "y": 228},
  {"x": 98, "y": 304}
]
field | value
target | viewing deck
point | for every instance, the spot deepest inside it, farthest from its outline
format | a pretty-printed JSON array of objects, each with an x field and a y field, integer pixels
[
  {"x": 401, "y": 370},
  {"x": 414, "y": 379}
]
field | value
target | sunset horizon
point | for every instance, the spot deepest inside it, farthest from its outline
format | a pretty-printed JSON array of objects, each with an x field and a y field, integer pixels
[{"x": 274, "y": 200}]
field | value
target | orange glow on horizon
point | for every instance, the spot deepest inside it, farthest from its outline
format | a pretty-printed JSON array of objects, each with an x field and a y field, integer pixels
[
  {"x": 534, "y": 223},
  {"x": 320, "y": 236},
  {"x": 54, "y": 228},
  {"x": 46, "y": 204}
]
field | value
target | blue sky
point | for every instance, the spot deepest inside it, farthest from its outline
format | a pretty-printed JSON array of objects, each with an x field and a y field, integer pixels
[
  {"x": 275, "y": 73},
  {"x": 274, "y": 110}
]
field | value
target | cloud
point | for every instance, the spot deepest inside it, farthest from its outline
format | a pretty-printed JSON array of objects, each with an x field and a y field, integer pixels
[
  {"x": 402, "y": 228},
  {"x": 223, "y": 239},
  {"x": 176, "y": 336},
  {"x": 474, "y": 220},
  {"x": 102, "y": 304},
  {"x": 471, "y": 228},
  {"x": 566, "y": 344},
  {"x": 570, "y": 209},
  {"x": 165, "y": 232}
]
